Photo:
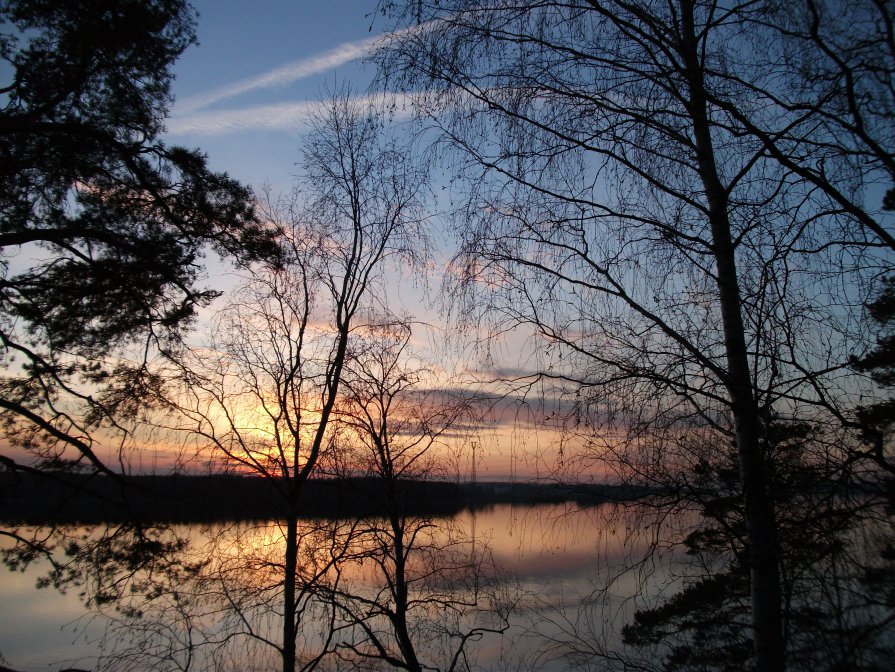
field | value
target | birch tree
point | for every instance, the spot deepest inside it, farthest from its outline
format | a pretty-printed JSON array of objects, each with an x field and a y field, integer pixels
[
  {"x": 677, "y": 196},
  {"x": 431, "y": 592},
  {"x": 262, "y": 397}
]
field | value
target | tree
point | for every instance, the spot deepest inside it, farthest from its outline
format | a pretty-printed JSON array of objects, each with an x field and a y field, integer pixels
[
  {"x": 262, "y": 397},
  {"x": 673, "y": 196},
  {"x": 102, "y": 230},
  {"x": 432, "y": 591},
  {"x": 102, "y": 226},
  {"x": 833, "y": 617}
]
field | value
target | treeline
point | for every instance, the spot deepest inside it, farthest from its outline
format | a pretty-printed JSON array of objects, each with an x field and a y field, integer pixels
[{"x": 71, "y": 498}]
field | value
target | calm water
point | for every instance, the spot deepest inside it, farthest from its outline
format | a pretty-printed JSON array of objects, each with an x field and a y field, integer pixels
[{"x": 573, "y": 575}]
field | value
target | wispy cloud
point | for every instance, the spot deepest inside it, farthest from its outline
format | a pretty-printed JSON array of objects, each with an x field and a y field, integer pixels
[
  {"x": 281, "y": 116},
  {"x": 283, "y": 75},
  {"x": 292, "y": 116},
  {"x": 300, "y": 69},
  {"x": 191, "y": 117}
]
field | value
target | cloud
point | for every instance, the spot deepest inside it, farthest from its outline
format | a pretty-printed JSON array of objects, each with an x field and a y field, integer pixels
[
  {"x": 291, "y": 116},
  {"x": 283, "y": 75},
  {"x": 300, "y": 69},
  {"x": 191, "y": 117},
  {"x": 280, "y": 116}
]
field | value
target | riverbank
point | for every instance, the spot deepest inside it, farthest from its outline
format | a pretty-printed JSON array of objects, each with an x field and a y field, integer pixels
[{"x": 68, "y": 498}]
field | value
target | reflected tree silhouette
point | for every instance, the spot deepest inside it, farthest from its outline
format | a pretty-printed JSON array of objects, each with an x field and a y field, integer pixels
[
  {"x": 429, "y": 590},
  {"x": 228, "y": 612}
]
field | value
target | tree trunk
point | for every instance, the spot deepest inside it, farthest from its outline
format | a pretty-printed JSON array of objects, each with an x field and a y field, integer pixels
[
  {"x": 291, "y": 565},
  {"x": 402, "y": 632},
  {"x": 767, "y": 622}
]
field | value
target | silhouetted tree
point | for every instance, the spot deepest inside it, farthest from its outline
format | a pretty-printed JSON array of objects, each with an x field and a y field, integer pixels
[
  {"x": 102, "y": 226},
  {"x": 102, "y": 232},
  {"x": 832, "y": 619},
  {"x": 429, "y": 591},
  {"x": 672, "y": 195},
  {"x": 261, "y": 398},
  {"x": 876, "y": 419}
]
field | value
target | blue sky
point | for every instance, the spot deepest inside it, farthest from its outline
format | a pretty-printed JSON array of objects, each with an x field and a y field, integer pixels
[{"x": 243, "y": 94}]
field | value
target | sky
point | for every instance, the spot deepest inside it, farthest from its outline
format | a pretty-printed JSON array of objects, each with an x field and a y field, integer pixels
[
  {"x": 244, "y": 93},
  {"x": 243, "y": 96}
]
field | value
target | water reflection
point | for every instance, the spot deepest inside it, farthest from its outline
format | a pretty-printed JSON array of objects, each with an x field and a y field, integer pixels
[{"x": 544, "y": 575}]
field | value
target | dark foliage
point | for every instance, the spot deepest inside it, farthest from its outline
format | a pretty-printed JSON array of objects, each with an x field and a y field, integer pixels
[
  {"x": 102, "y": 226},
  {"x": 877, "y": 419},
  {"x": 835, "y": 611}
]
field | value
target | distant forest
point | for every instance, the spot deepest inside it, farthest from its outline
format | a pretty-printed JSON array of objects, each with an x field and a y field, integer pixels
[{"x": 69, "y": 498}]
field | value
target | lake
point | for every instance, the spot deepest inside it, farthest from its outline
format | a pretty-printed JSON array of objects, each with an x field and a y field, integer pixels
[{"x": 572, "y": 575}]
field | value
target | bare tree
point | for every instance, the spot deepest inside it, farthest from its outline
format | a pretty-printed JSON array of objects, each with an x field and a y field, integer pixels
[
  {"x": 673, "y": 195},
  {"x": 262, "y": 397},
  {"x": 432, "y": 591}
]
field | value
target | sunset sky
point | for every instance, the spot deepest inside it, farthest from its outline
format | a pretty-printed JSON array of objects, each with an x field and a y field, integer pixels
[{"x": 244, "y": 95}]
